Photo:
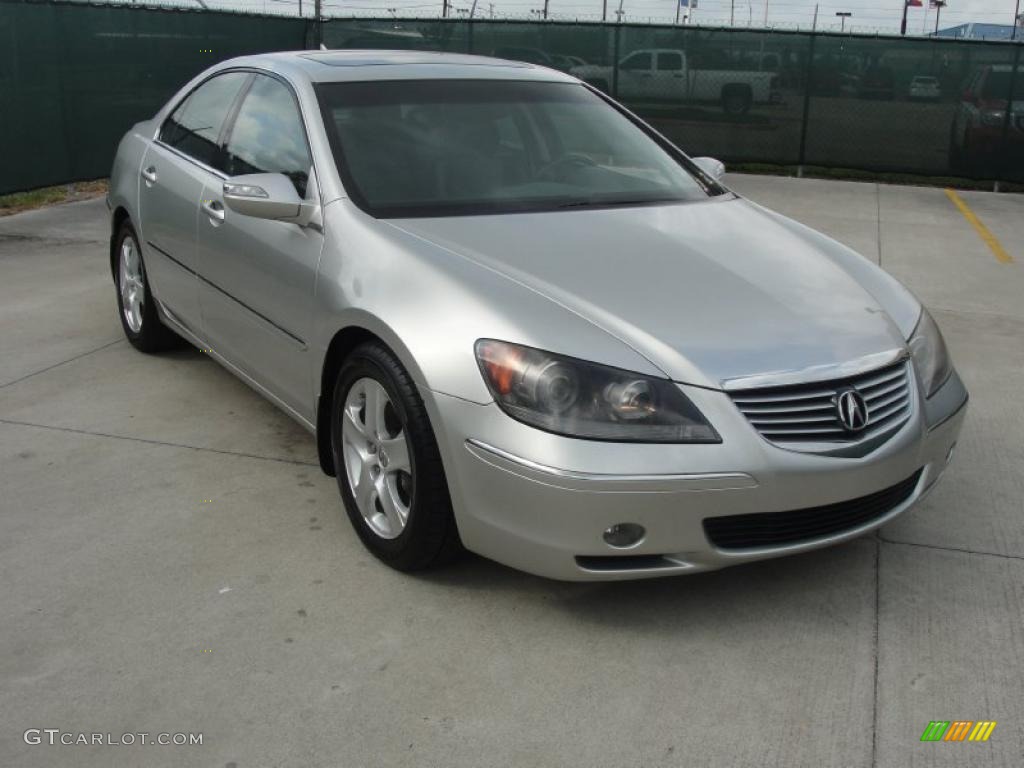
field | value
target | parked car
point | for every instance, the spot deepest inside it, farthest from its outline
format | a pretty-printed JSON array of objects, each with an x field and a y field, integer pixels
[
  {"x": 924, "y": 88},
  {"x": 657, "y": 74},
  {"x": 976, "y": 134},
  {"x": 518, "y": 320}
]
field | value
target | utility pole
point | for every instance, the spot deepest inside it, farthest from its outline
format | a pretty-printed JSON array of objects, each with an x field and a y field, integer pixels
[
  {"x": 472, "y": 10},
  {"x": 604, "y": 11},
  {"x": 1016, "y": 21},
  {"x": 766, "y": 14},
  {"x": 939, "y": 5},
  {"x": 814, "y": 24},
  {"x": 903, "y": 24},
  {"x": 732, "y": 12},
  {"x": 679, "y": 4},
  {"x": 620, "y": 13},
  {"x": 545, "y": 10},
  {"x": 444, "y": 9}
]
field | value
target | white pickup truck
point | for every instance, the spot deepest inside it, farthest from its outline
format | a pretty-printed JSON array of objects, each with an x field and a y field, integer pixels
[{"x": 663, "y": 74}]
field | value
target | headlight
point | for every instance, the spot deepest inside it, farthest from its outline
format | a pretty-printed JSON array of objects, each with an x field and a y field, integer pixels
[
  {"x": 931, "y": 360},
  {"x": 580, "y": 399}
]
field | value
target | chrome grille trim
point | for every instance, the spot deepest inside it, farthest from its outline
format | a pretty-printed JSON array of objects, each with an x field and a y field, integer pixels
[{"x": 804, "y": 417}]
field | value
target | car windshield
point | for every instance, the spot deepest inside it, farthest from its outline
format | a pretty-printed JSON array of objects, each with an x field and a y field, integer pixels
[{"x": 456, "y": 147}]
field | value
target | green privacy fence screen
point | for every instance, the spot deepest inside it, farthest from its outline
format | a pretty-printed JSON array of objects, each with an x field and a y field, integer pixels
[
  {"x": 74, "y": 77},
  {"x": 926, "y": 106}
]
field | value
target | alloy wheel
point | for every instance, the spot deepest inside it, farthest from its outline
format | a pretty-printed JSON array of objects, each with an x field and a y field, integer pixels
[
  {"x": 376, "y": 455},
  {"x": 132, "y": 284}
]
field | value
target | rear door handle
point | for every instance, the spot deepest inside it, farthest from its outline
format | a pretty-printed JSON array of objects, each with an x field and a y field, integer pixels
[
  {"x": 149, "y": 175},
  {"x": 214, "y": 209}
]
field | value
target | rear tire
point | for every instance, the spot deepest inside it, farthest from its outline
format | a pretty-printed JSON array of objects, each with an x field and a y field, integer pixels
[
  {"x": 135, "y": 304},
  {"x": 736, "y": 100},
  {"x": 388, "y": 465}
]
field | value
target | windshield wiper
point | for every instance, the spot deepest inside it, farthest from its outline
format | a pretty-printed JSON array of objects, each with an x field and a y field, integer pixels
[{"x": 613, "y": 203}]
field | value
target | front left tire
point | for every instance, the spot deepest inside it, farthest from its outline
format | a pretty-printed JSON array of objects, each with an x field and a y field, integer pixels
[
  {"x": 388, "y": 464},
  {"x": 135, "y": 304}
]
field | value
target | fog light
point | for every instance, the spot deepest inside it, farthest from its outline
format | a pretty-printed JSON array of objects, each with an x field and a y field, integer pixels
[{"x": 622, "y": 535}]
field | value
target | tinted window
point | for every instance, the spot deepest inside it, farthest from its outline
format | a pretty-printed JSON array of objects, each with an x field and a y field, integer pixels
[
  {"x": 195, "y": 125},
  {"x": 997, "y": 85},
  {"x": 637, "y": 61},
  {"x": 451, "y": 147},
  {"x": 268, "y": 136},
  {"x": 670, "y": 61}
]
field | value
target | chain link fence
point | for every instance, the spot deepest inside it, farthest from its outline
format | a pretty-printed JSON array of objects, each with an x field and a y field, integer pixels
[
  {"x": 927, "y": 106},
  {"x": 74, "y": 77}
]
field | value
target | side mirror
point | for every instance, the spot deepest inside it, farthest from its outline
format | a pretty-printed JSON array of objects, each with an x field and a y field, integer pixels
[
  {"x": 266, "y": 196},
  {"x": 712, "y": 167}
]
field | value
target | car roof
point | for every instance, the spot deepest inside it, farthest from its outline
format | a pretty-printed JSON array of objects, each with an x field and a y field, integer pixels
[{"x": 361, "y": 65}]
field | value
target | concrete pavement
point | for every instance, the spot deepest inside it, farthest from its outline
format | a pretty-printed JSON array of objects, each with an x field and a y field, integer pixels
[{"x": 172, "y": 560}]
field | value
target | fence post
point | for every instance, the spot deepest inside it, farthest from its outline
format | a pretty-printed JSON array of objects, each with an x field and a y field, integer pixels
[
  {"x": 615, "y": 62},
  {"x": 807, "y": 106},
  {"x": 318, "y": 32},
  {"x": 1003, "y": 151}
]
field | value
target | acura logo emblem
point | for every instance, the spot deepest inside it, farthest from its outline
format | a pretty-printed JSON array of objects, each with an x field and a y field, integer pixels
[{"x": 851, "y": 410}]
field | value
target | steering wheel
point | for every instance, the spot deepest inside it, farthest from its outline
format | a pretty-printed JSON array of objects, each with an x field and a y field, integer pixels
[{"x": 568, "y": 160}]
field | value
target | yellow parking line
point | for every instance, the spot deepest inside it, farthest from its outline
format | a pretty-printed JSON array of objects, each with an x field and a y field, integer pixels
[{"x": 983, "y": 232}]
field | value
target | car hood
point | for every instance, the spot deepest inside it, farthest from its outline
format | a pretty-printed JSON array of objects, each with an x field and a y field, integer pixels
[{"x": 712, "y": 293}]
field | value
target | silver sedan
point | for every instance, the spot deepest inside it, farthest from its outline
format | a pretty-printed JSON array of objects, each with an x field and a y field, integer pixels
[{"x": 520, "y": 322}]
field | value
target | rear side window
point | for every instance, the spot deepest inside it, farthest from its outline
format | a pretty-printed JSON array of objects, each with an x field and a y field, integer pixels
[
  {"x": 194, "y": 126},
  {"x": 637, "y": 61},
  {"x": 267, "y": 136}
]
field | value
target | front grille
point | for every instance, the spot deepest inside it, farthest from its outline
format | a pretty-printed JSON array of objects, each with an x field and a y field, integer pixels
[
  {"x": 776, "y": 529},
  {"x": 806, "y": 413}
]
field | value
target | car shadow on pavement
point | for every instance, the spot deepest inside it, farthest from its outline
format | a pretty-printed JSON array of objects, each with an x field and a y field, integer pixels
[{"x": 827, "y": 581}]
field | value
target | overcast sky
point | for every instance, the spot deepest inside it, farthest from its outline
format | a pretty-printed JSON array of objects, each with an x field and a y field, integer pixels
[{"x": 868, "y": 15}]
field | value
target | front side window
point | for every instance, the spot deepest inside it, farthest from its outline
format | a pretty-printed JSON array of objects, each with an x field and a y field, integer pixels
[
  {"x": 268, "y": 136},
  {"x": 670, "y": 62},
  {"x": 454, "y": 147},
  {"x": 194, "y": 126}
]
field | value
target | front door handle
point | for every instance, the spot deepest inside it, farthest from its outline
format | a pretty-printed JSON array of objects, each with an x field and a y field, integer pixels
[
  {"x": 214, "y": 209},
  {"x": 149, "y": 175}
]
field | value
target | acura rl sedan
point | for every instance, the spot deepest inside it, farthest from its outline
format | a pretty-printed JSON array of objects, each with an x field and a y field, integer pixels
[{"x": 520, "y": 322}]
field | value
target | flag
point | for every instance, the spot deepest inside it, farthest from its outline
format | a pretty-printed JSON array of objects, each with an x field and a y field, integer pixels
[
  {"x": 687, "y": 3},
  {"x": 915, "y": 3}
]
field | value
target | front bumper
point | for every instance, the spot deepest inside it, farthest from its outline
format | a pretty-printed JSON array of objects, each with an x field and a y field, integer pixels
[{"x": 541, "y": 502}]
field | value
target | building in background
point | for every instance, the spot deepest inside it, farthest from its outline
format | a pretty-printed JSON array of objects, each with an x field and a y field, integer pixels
[{"x": 974, "y": 31}]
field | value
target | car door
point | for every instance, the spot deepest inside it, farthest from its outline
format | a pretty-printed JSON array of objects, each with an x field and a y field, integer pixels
[
  {"x": 177, "y": 166},
  {"x": 635, "y": 75},
  {"x": 670, "y": 77},
  {"x": 257, "y": 275}
]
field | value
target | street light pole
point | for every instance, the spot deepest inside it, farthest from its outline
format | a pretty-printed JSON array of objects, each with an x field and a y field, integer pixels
[{"x": 939, "y": 5}]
